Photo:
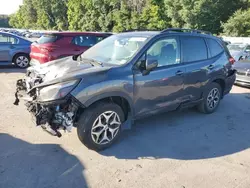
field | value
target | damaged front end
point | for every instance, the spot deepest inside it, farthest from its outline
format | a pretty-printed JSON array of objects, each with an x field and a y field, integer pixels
[
  {"x": 54, "y": 117},
  {"x": 51, "y": 105}
]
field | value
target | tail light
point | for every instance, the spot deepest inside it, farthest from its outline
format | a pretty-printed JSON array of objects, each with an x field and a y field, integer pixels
[
  {"x": 45, "y": 49},
  {"x": 49, "y": 48},
  {"x": 232, "y": 60}
]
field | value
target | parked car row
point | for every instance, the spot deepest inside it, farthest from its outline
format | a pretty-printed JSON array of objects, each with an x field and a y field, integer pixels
[
  {"x": 23, "y": 33},
  {"x": 18, "y": 50},
  {"x": 243, "y": 72},
  {"x": 62, "y": 44},
  {"x": 56, "y": 45},
  {"x": 123, "y": 78},
  {"x": 239, "y": 51},
  {"x": 14, "y": 49}
]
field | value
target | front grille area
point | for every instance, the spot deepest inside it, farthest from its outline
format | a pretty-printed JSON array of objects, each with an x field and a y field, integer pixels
[{"x": 242, "y": 73}]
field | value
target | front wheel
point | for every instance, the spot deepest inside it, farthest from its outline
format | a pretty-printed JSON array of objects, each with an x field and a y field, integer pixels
[
  {"x": 100, "y": 125},
  {"x": 212, "y": 97}
]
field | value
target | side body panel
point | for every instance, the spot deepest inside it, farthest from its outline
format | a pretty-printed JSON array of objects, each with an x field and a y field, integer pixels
[
  {"x": 161, "y": 90},
  {"x": 118, "y": 81}
]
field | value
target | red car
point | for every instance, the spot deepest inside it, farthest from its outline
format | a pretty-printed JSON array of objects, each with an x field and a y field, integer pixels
[{"x": 57, "y": 45}]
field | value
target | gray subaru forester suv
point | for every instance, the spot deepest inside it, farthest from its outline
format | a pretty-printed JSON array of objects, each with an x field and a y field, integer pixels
[{"x": 124, "y": 78}]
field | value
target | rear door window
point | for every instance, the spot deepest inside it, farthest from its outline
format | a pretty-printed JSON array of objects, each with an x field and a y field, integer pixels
[
  {"x": 193, "y": 49},
  {"x": 6, "y": 39},
  {"x": 214, "y": 47},
  {"x": 47, "y": 39},
  {"x": 87, "y": 41}
]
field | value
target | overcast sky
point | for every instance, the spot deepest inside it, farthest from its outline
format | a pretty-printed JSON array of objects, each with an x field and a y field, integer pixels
[{"x": 9, "y": 6}]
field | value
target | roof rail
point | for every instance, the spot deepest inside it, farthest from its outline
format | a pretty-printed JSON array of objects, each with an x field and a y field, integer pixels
[
  {"x": 173, "y": 30},
  {"x": 137, "y": 30}
]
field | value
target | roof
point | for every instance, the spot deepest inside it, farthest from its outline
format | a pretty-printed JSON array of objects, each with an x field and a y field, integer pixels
[
  {"x": 14, "y": 35},
  {"x": 140, "y": 33},
  {"x": 78, "y": 33},
  {"x": 171, "y": 32}
]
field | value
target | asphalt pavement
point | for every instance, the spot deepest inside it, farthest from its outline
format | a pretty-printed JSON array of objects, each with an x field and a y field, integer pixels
[{"x": 179, "y": 149}]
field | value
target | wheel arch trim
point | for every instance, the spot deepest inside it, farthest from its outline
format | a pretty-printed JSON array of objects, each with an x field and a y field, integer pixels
[{"x": 111, "y": 94}]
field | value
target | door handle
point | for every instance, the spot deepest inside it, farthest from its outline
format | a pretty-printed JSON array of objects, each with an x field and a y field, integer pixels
[
  {"x": 210, "y": 67},
  {"x": 179, "y": 73},
  {"x": 77, "y": 50}
]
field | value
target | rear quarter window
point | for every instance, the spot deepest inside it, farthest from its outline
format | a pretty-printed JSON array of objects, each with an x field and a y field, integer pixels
[
  {"x": 47, "y": 39},
  {"x": 193, "y": 49},
  {"x": 214, "y": 47}
]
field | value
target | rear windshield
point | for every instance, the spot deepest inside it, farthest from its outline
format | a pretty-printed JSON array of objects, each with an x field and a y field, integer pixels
[{"x": 47, "y": 39}]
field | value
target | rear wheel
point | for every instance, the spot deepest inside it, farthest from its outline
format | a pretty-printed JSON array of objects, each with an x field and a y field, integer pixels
[
  {"x": 22, "y": 60},
  {"x": 100, "y": 125},
  {"x": 211, "y": 99}
]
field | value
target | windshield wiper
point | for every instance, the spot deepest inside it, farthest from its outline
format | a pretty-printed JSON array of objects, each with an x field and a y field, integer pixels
[{"x": 92, "y": 61}]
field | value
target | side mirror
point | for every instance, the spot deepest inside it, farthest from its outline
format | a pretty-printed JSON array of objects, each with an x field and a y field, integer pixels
[
  {"x": 150, "y": 65},
  {"x": 75, "y": 57}
]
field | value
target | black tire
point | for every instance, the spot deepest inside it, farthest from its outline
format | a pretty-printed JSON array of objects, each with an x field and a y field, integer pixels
[
  {"x": 203, "y": 106},
  {"x": 25, "y": 63},
  {"x": 87, "y": 119}
]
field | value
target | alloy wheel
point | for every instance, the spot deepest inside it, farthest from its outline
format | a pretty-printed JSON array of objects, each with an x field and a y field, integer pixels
[
  {"x": 105, "y": 127},
  {"x": 213, "y": 98},
  {"x": 22, "y": 61}
]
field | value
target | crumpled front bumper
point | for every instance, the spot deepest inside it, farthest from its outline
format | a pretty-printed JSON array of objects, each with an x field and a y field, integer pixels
[
  {"x": 21, "y": 91},
  {"x": 51, "y": 116},
  {"x": 243, "y": 78}
]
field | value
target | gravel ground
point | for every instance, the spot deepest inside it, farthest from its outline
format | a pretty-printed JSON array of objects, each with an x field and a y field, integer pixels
[{"x": 179, "y": 149}]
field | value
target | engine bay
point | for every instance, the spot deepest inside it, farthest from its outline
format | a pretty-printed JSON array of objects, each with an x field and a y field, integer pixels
[
  {"x": 54, "y": 117},
  {"x": 51, "y": 116}
]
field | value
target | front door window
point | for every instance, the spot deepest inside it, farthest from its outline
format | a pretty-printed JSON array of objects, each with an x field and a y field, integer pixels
[{"x": 165, "y": 51}]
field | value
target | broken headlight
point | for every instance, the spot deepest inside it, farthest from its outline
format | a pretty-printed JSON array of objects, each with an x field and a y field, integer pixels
[{"x": 56, "y": 91}]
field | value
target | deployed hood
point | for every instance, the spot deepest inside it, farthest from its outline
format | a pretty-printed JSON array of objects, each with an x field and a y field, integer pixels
[
  {"x": 236, "y": 54},
  {"x": 66, "y": 67},
  {"x": 242, "y": 65}
]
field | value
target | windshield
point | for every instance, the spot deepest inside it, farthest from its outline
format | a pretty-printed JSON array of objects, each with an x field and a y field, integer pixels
[
  {"x": 117, "y": 49},
  {"x": 236, "y": 47}
]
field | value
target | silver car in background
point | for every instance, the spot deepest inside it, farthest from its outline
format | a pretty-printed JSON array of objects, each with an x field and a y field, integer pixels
[
  {"x": 243, "y": 72},
  {"x": 239, "y": 51}
]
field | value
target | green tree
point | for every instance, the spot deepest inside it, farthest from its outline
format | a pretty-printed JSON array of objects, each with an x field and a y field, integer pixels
[
  {"x": 52, "y": 14},
  {"x": 202, "y": 14},
  {"x": 29, "y": 14},
  {"x": 120, "y": 15},
  {"x": 17, "y": 19},
  {"x": 76, "y": 12},
  {"x": 174, "y": 12},
  {"x": 92, "y": 15},
  {"x": 41, "y": 14},
  {"x": 82, "y": 15},
  {"x": 238, "y": 25},
  {"x": 122, "y": 18},
  {"x": 154, "y": 16}
]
